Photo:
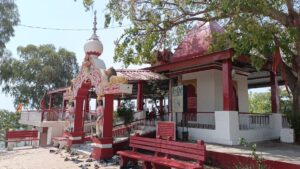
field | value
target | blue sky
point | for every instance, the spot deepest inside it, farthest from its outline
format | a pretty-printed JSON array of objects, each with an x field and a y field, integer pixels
[{"x": 61, "y": 14}]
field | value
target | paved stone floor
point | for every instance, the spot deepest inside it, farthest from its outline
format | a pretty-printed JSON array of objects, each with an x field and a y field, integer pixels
[{"x": 271, "y": 150}]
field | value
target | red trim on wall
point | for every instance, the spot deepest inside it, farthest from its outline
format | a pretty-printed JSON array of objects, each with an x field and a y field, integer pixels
[
  {"x": 229, "y": 161},
  {"x": 176, "y": 73},
  {"x": 199, "y": 60}
]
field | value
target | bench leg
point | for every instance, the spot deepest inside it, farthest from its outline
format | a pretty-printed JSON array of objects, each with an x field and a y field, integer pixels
[
  {"x": 147, "y": 165},
  {"x": 123, "y": 161},
  {"x": 10, "y": 146},
  {"x": 34, "y": 143}
]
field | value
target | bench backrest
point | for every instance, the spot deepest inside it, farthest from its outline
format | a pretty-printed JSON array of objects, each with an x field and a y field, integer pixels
[
  {"x": 21, "y": 134},
  {"x": 170, "y": 148},
  {"x": 144, "y": 143},
  {"x": 186, "y": 150}
]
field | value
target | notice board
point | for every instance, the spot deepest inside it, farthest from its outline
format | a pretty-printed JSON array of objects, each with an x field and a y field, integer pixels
[{"x": 166, "y": 129}]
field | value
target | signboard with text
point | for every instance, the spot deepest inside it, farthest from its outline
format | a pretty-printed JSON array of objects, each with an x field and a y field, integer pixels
[
  {"x": 166, "y": 129},
  {"x": 178, "y": 97},
  {"x": 118, "y": 89}
]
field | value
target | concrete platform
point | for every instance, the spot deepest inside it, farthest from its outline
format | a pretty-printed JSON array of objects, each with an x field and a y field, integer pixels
[
  {"x": 276, "y": 155},
  {"x": 270, "y": 150}
]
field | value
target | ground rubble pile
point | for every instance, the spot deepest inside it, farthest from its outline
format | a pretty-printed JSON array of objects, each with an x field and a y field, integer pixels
[{"x": 83, "y": 161}]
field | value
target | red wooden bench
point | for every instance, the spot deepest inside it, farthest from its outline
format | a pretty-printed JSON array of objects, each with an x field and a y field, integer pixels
[
  {"x": 22, "y": 135},
  {"x": 161, "y": 154}
]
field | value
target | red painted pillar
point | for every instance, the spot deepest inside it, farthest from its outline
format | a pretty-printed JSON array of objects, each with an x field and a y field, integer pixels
[
  {"x": 77, "y": 136},
  {"x": 108, "y": 115},
  {"x": 102, "y": 147},
  {"x": 87, "y": 105},
  {"x": 119, "y": 103},
  {"x": 274, "y": 93},
  {"x": 170, "y": 100},
  {"x": 227, "y": 85},
  {"x": 50, "y": 102},
  {"x": 161, "y": 107},
  {"x": 140, "y": 96}
]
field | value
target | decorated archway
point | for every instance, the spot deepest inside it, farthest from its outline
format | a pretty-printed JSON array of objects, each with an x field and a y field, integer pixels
[{"x": 93, "y": 74}]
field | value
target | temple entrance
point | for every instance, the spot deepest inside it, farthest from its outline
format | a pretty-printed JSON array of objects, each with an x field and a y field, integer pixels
[{"x": 191, "y": 99}]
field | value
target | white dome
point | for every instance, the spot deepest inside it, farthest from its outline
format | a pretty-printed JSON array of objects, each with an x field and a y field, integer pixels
[{"x": 93, "y": 46}]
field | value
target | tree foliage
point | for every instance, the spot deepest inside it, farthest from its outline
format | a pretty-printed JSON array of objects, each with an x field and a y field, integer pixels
[
  {"x": 251, "y": 26},
  {"x": 261, "y": 102},
  {"x": 254, "y": 28},
  {"x": 9, "y": 17},
  {"x": 153, "y": 91},
  {"x": 8, "y": 120},
  {"x": 40, "y": 68},
  {"x": 125, "y": 112}
]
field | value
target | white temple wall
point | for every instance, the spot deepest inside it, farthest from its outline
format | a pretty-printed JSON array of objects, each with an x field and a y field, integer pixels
[
  {"x": 242, "y": 89},
  {"x": 242, "y": 85},
  {"x": 219, "y": 90},
  {"x": 205, "y": 89},
  {"x": 227, "y": 130},
  {"x": 210, "y": 90}
]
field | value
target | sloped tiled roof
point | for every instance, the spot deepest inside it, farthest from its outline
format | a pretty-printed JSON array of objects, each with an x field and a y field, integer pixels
[{"x": 197, "y": 41}]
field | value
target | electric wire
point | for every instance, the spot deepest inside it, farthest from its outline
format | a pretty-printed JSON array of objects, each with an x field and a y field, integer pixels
[{"x": 69, "y": 29}]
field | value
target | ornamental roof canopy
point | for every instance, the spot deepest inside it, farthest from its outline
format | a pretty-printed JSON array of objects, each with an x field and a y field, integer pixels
[
  {"x": 135, "y": 75},
  {"x": 197, "y": 41}
]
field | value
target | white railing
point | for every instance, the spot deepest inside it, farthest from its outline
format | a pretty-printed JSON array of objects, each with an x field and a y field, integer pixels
[
  {"x": 31, "y": 115},
  {"x": 202, "y": 120},
  {"x": 249, "y": 121},
  {"x": 39, "y": 115}
]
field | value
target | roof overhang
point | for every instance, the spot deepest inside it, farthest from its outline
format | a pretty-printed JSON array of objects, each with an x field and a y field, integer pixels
[
  {"x": 137, "y": 74},
  {"x": 196, "y": 60},
  {"x": 59, "y": 90}
]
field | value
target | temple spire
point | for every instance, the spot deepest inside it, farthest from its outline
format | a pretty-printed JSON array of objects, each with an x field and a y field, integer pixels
[
  {"x": 94, "y": 47},
  {"x": 95, "y": 22}
]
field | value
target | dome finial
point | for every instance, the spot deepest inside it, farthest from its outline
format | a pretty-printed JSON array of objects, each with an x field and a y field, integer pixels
[
  {"x": 93, "y": 46},
  {"x": 95, "y": 22}
]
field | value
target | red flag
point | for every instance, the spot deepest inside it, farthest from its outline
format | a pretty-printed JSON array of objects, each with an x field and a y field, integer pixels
[
  {"x": 19, "y": 108},
  {"x": 42, "y": 103}
]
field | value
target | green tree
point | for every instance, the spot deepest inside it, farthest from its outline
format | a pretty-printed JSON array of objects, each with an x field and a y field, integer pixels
[
  {"x": 153, "y": 90},
  {"x": 254, "y": 28},
  {"x": 8, "y": 120},
  {"x": 260, "y": 102},
  {"x": 9, "y": 17},
  {"x": 40, "y": 68}
]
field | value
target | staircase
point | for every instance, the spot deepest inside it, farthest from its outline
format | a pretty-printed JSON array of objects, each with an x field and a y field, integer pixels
[{"x": 121, "y": 135}]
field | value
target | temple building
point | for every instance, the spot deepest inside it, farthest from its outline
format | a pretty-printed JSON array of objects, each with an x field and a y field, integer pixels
[
  {"x": 206, "y": 94},
  {"x": 215, "y": 98}
]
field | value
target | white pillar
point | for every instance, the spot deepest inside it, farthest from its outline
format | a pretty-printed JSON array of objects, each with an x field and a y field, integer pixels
[
  {"x": 276, "y": 124},
  {"x": 227, "y": 127}
]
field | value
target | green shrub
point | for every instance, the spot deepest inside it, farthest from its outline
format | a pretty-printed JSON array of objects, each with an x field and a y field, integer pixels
[{"x": 125, "y": 113}]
